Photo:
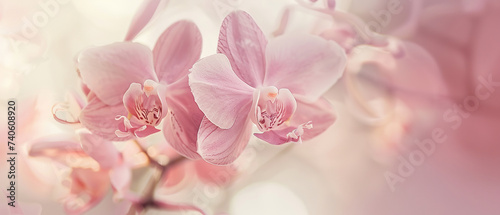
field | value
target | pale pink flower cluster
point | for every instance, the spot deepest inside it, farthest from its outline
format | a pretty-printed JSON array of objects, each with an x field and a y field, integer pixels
[
  {"x": 206, "y": 108},
  {"x": 271, "y": 88}
]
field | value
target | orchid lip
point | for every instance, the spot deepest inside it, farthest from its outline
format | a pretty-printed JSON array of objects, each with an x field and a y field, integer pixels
[
  {"x": 144, "y": 103},
  {"x": 273, "y": 107},
  {"x": 145, "y": 108}
]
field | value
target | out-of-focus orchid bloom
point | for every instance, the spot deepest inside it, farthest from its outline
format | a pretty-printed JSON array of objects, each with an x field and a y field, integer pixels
[
  {"x": 384, "y": 74},
  {"x": 32, "y": 122},
  {"x": 276, "y": 86},
  {"x": 462, "y": 37},
  {"x": 389, "y": 62},
  {"x": 95, "y": 165},
  {"x": 140, "y": 88}
]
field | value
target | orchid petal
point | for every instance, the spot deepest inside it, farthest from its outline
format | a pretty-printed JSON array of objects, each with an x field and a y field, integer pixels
[
  {"x": 244, "y": 44},
  {"x": 212, "y": 174},
  {"x": 222, "y": 146},
  {"x": 109, "y": 70},
  {"x": 309, "y": 121},
  {"x": 128, "y": 129},
  {"x": 61, "y": 148},
  {"x": 177, "y": 207},
  {"x": 306, "y": 65},
  {"x": 148, "y": 130},
  {"x": 142, "y": 18},
  {"x": 103, "y": 151},
  {"x": 181, "y": 125},
  {"x": 87, "y": 186},
  {"x": 320, "y": 113},
  {"x": 286, "y": 100},
  {"x": 177, "y": 49},
  {"x": 57, "y": 144},
  {"x": 219, "y": 93},
  {"x": 414, "y": 77},
  {"x": 131, "y": 95},
  {"x": 176, "y": 178},
  {"x": 99, "y": 118},
  {"x": 289, "y": 134},
  {"x": 120, "y": 177}
]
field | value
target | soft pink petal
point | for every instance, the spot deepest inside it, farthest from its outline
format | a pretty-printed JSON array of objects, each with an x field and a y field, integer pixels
[
  {"x": 163, "y": 205},
  {"x": 218, "y": 175},
  {"x": 142, "y": 18},
  {"x": 219, "y": 93},
  {"x": 99, "y": 118},
  {"x": 415, "y": 77},
  {"x": 146, "y": 132},
  {"x": 285, "y": 18},
  {"x": 133, "y": 128},
  {"x": 222, "y": 146},
  {"x": 87, "y": 185},
  {"x": 289, "y": 134},
  {"x": 287, "y": 102},
  {"x": 177, "y": 49},
  {"x": 181, "y": 125},
  {"x": 109, "y": 70},
  {"x": 59, "y": 148},
  {"x": 103, "y": 151},
  {"x": 319, "y": 114},
  {"x": 85, "y": 89},
  {"x": 176, "y": 178},
  {"x": 306, "y": 65},
  {"x": 60, "y": 142},
  {"x": 244, "y": 44},
  {"x": 120, "y": 177},
  {"x": 162, "y": 93},
  {"x": 343, "y": 34},
  {"x": 131, "y": 95}
]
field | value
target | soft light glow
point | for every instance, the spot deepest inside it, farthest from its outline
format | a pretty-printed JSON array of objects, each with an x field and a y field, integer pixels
[{"x": 267, "y": 198}]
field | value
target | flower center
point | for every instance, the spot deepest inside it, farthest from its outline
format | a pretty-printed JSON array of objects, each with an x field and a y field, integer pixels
[
  {"x": 144, "y": 103},
  {"x": 273, "y": 107},
  {"x": 148, "y": 109}
]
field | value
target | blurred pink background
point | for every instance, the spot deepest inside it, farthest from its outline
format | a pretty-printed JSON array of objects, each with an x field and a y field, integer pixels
[{"x": 417, "y": 130}]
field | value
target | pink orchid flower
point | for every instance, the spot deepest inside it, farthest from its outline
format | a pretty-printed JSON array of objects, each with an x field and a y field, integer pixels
[
  {"x": 139, "y": 88},
  {"x": 276, "y": 86},
  {"x": 95, "y": 165}
]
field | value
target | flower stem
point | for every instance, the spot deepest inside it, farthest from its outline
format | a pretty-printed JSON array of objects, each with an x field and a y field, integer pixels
[{"x": 158, "y": 174}]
